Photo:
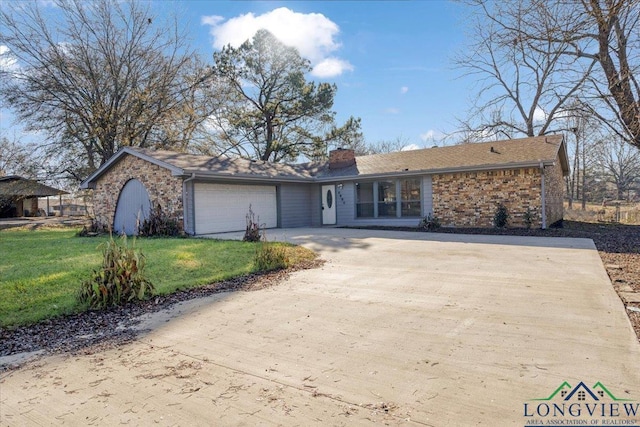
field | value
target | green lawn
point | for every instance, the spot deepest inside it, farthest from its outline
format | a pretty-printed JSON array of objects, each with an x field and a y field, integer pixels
[{"x": 41, "y": 271}]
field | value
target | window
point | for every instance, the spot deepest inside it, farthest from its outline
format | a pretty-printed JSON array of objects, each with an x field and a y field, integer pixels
[
  {"x": 364, "y": 200},
  {"x": 386, "y": 199},
  {"x": 410, "y": 197},
  {"x": 389, "y": 199}
]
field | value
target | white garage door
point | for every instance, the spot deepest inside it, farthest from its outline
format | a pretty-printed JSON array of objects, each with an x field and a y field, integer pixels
[{"x": 224, "y": 207}]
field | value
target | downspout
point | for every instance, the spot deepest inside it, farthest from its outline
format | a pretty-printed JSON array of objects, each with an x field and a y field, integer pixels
[
  {"x": 184, "y": 203},
  {"x": 544, "y": 201}
]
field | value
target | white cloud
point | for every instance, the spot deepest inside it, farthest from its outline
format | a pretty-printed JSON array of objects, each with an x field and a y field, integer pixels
[
  {"x": 431, "y": 135},
  {"x": 404, "y": 89},
  {"x": 411, "y": 147},
  {"x": 539, "y": 114},
  {"x": 313, "y": 34},
  {"x": 212, "y": 20},
  {"x": 392, "y": 110},
  {"x": 8, "y": 62},
  {"x": 331, "y": 67}
]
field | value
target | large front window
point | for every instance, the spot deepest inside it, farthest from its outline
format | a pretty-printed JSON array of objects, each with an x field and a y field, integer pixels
[
  {"x": 364, "y": 200},
  {"x": 389, "y": 199},
  {"x": 410, "y": 197}
]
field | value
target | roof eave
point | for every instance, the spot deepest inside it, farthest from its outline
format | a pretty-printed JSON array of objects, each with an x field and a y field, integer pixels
[
  {"x": 90, "y": 181},
  {"x": 564, "y": 158},
  {"x": 245, "y": 177},
  {"x": 503, "y": 166}
]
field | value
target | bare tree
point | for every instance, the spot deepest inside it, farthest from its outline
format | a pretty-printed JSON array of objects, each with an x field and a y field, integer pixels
[
  {"x": 606, "y": 31},
  {"x": 596, "y": 39},
  {"x": 384, "y": 146},
  {"x": 96, "y": 76},
  {"x": 523, "y": 83},
  {"x": 620, "y": 163},
  {"x": 17, "y": 158}
]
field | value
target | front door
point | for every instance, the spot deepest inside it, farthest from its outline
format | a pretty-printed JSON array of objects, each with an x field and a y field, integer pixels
[{"x": 328, "y": 204}]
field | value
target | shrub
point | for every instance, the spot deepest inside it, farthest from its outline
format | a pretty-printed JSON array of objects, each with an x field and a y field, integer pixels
[
  {"x": 159, "y": 223},
  {"x": 120, "y": 279},
  {"x": 528, "y": 218},
  {"x": 270, "y": 256},
  {"x": 501, "y": 217},
  {"x": 429, "y": 223},
  {"x": 253, "y": 232}
]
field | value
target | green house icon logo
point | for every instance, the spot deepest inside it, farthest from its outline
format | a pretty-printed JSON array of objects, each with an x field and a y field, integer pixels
[{"x": 582, "y": 393}]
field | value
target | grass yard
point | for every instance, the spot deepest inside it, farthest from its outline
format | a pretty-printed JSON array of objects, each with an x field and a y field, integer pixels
[{"x": 41, "y": 271}]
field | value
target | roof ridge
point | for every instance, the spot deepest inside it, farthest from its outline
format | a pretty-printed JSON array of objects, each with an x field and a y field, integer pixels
[{"x": 528, "y": 139}]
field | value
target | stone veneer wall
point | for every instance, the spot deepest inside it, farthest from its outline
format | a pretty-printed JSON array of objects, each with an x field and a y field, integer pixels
[
  {"x": 554, "y": 189},
  {"x": 162, "y": 187},
  {"x": 469, "y": 199}
]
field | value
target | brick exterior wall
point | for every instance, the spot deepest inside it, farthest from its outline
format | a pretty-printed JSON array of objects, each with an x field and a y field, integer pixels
[
  {"x": 467, "y": 199},
  {"x": 470, "y": 199},
  {"x": 162, "y": 187},
  {"x": 554, "y": 189}
]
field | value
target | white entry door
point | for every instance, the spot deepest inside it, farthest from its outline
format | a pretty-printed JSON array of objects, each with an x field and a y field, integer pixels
[{"x": 328, "y": 204}]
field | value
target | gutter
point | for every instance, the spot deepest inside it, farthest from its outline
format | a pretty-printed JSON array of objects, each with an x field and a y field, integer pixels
[
  {"x": 490, "y": 167},
  {"x": 544, "y": 201},
  {"x": 184, "y": 203},
  {"x": 216, "y": 176},
  {"x": 252, "y": 178}
]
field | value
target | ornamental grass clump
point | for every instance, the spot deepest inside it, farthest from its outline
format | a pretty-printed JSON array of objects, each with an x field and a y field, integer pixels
[
  {"x": 120, "y": 280},
  {"x": 270, "y": 256}
]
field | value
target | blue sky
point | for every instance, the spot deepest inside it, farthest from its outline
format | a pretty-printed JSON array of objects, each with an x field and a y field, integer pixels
[{"x": 391, "y": 60}]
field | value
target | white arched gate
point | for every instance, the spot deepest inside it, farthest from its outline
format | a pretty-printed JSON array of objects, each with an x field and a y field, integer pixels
[{"x": 132, "y": 209}]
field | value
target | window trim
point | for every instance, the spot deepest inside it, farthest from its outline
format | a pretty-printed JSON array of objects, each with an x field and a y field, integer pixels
[
  {"x": 419, "y": 200},
  {"x": 398, "y": 200}
]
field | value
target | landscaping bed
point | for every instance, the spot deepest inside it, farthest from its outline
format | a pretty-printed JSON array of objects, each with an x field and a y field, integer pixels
[
  {"x": 41, "y": 272},
  {"x": 114, "y": 326}
]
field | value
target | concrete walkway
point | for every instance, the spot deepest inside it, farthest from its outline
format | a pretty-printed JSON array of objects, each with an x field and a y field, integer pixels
[{"x": 396, "y": 328}]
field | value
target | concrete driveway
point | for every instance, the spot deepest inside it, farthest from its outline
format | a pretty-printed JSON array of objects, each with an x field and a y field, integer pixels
[{"x": 396, "y": 328}]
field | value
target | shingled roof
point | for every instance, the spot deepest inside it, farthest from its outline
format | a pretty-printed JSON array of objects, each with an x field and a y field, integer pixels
[
  {"x": 199, "y": 164},
  {"x": 185, "y": 164},
  {"x": 515, "y": 153},
  {"x": 17, "y": 186},
  {"x": 525, "y": 152}
]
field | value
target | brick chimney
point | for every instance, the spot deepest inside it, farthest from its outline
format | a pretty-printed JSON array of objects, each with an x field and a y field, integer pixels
[{"x": 341, "y": 158}]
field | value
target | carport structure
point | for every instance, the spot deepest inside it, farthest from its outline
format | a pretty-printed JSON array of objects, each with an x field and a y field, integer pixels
[{"x": 19, "y": 196}]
